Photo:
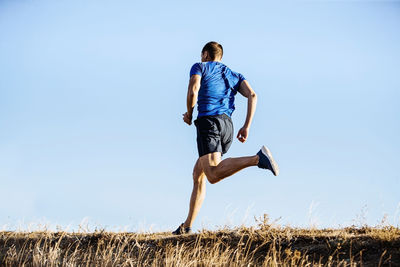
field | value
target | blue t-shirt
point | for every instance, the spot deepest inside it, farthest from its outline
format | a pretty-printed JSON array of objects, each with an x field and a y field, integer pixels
[{"x": 219, "y": 85}]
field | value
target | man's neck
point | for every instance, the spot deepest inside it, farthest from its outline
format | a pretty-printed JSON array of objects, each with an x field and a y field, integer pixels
[{"x": 215, "y": 60}]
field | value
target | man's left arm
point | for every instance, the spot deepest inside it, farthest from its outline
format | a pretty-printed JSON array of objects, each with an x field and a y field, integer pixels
[
  {"x": 191, "y": 99},
  {"x": 248, "y": 92}
]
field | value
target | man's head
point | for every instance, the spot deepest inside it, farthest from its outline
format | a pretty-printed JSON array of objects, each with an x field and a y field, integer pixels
[{"x": 212, "y": 51}]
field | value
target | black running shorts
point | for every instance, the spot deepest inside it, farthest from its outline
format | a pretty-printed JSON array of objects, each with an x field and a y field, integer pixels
[{"x": 214, "y": 134}]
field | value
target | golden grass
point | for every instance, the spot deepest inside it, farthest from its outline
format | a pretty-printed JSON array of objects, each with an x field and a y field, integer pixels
[{"x": 262, "y": 245}]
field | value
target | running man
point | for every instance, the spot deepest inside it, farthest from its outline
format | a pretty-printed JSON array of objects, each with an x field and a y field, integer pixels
[{"x": 213, "y": 87}]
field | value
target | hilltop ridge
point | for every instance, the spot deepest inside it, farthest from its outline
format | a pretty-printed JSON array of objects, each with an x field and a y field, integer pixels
[{"x": 264, "y": 245}]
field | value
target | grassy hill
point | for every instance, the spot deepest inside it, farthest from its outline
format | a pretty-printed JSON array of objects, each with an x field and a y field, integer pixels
[{"x": 264, "y": 245}]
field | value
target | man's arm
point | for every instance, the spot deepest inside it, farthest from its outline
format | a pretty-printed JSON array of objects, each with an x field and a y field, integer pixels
[
  {"x": 246, "y": 90},
  {"x": 191, "y": 99}
]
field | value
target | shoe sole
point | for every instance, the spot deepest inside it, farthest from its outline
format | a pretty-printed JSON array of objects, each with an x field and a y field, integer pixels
[{"x": 275, "y": 168}]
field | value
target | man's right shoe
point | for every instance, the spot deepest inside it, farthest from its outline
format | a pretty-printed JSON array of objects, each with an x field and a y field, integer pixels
[
  {"x": 266, "y": 161},
  {"x": 182, "y": 230}
]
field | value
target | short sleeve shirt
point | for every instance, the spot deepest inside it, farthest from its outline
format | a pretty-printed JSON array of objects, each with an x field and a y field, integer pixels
[{"x": 219, "y": 85}]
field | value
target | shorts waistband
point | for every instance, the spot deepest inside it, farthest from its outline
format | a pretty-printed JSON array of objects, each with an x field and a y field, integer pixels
[{"x": 215, "y": 116}]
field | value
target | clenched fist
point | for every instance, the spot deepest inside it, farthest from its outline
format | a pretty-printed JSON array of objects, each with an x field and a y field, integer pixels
[
  {"x": 187, "y": 118},
  {"x": 242, "y": 134}
]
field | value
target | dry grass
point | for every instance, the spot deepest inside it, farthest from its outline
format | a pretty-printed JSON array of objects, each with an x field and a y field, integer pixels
[{"x": 263, "y": 245}]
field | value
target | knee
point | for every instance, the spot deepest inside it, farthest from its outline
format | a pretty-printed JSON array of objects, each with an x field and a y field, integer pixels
[
  {"x": 212, "y": 180},
  {"x": 212, "y": 177},
  {"x": 198, "y": 177}
]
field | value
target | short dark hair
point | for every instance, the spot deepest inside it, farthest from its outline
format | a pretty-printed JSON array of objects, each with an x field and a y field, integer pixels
[{"x": 214, "y": 50}]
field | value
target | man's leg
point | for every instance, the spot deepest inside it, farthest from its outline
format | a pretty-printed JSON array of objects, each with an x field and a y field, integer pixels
[
  {"x": 216, "y": 169},
  {"x": 198, "y": 193}
]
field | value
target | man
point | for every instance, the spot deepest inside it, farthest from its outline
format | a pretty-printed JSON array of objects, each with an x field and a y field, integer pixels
[{"x": 213, "y": 87}]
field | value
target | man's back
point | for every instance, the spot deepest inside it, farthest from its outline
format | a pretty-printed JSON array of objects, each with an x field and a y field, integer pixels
[{"x": 219, "y": 85}]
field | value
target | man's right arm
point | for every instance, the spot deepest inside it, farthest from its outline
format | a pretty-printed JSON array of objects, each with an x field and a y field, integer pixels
[
  {"x": 246, "y": 90},
  {"x": 191, "y": 99}
]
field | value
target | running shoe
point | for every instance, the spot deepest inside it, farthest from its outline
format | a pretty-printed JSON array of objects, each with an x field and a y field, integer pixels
[
  {"x": 266, "y": 161},
  {"x": 182, "y": 230}
]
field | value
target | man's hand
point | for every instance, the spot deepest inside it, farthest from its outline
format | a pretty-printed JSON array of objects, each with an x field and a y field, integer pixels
[
  {"x": 187, "y": 118},
  {"x": 242, "y": 134}
]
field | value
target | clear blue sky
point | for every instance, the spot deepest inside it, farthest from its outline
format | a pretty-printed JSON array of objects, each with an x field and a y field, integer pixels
[{"x": 92, "y": 95}]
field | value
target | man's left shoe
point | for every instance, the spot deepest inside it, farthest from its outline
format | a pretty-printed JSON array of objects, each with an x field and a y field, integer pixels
[
  {"x": 266, "y": 161},
  {"x": 182, "y": 230}
]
